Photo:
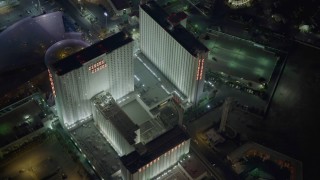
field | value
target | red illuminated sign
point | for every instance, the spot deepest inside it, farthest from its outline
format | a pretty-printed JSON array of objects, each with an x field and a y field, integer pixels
[
  {"x": 51, "y": 83},
  {"x": 97, "y": 66}
]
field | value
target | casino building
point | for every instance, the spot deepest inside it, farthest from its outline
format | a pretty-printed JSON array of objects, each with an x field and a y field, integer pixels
[
  {"x": 173, "y": 50},
  {"x": 89, "y": 82},
  {"x": 106, "y": 65}
]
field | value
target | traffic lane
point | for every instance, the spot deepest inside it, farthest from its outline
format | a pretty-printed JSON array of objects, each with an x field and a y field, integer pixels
[
  {"x": 98, "y": 13},
  {"x": 51, "y": 7},
  {"x": 220, "y": 168},
  {"x": 102, "y": 19},
  {"x": 75, "y": 14},
  {"x": 241, "y": 96},
  {"x": 215, "y": 172},
  {"x": 16, "y": 13},
  {"x": 91, "y": 29}
]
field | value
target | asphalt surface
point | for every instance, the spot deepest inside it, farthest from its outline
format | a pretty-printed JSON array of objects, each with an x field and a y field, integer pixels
[
  {"x": 221, "y": 169},
  {"x": 239, "y": 58}
]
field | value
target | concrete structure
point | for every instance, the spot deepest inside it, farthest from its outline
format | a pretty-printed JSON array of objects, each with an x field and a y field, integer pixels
[
  {"x": 178, "y": 18},
  {"x": 227, "y": 105},
  {"x": 193, "y": 168},
  {"x": 156, "y": 156},
  {"x": 173, "y": 50},
  {"x": 255, "y": 150},
  {"x": 106, "y": 65},
  {"x": 120, "y": 7},
  {"x": 239, "y": 3},
  {"x": 117, "y": 127}
]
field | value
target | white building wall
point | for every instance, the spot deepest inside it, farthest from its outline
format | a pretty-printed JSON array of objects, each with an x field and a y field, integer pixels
[
  {"x": 75, "y": 89},
  {"x": 175, "y": 62},
  {"x": 121, "y": 70},
  {"x": 118, "y": 142},
  {"x": 117, "y": 76},
  {"x": 72, "y": 101}
]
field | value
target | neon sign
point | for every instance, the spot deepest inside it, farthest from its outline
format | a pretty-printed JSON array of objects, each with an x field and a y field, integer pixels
[
  {"x": 97, "y": 66},
  {"x": 51, "y": 83}
]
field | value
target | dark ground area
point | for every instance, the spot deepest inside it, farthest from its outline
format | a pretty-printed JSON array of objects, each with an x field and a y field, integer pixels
[{"x": 291, "y": 126}]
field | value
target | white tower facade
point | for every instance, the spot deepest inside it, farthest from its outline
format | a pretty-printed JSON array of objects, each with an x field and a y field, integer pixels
[
  {"x": 106, "y": 65},
  {"x": 173, "y": 50}
]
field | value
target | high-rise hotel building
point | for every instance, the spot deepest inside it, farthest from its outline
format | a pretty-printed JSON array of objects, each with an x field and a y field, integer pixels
[
  {"x": 106, "y": 65},
  {"x": 173, "y": 50},
  {"x": 156, "y": 156}
]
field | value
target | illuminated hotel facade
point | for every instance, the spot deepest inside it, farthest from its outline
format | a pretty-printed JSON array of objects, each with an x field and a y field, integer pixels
[
  {"x": 156, "y": 156},
  {"x": 106, "y": 65},
  {"x": 173, "y": 50}
]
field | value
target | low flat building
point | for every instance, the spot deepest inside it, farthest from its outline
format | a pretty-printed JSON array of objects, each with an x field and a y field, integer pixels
[
  {"x": 120, "y": 7},
  {"x": 192, "y": 167},
  {"x": 251, "y": 158}
]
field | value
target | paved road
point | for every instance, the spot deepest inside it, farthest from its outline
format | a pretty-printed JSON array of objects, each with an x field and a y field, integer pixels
[
  {"x": 75, "y": 14},
  {"x": 221, "y": 168}
]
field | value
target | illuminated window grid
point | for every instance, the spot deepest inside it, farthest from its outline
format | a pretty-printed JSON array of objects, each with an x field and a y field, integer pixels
[
  {"x": 97, "y": 66},
  {"x": 200, "y": 69}
]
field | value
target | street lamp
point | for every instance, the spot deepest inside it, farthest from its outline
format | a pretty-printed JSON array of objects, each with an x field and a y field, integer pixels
[
  {"x": 106, "y": 15},
  {"x": 39, "y": 6}
]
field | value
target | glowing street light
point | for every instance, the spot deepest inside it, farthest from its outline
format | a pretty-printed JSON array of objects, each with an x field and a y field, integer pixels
[{"x": 106, "y": 15}]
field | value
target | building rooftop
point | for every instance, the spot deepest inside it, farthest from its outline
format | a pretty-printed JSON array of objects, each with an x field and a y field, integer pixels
[
  {"x": 97, "y": 150},
  {"x": 176, "y": 18},
  {"x": 150, "y": 128},
  {"x": 120, "y": 4},
  {"x": 112, "y": 112},
  {"x": 18, "y": 119},
  {"x": 252, "y": 149},
  {"x": 153, "y": 86},
  {"x": 155, "y": 148},
  {"x": 136, "y": 112},
  {"x": 194, "y": 167},
  {"x": 79, "y": 58},
  {"x": 178, "y": 32},
  {"x": 62, "y": 49}
]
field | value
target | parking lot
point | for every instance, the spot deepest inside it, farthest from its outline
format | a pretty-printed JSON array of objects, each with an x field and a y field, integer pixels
[
  {"x": 96, "y": 149},
  {"x": 19, "y": 122},
  {"x": 237, "y": 57},
  {"x": 42, "y": 158}
]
